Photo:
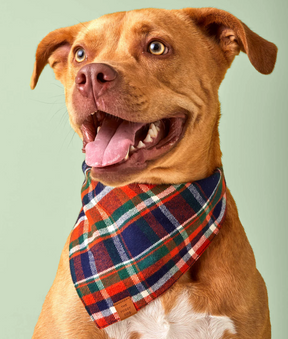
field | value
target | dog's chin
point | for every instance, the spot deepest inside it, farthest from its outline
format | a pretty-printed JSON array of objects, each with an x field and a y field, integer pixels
[{"x": 121, "y": 151}]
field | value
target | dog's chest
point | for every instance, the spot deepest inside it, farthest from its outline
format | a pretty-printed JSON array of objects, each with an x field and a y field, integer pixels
[{"x": 181, "y": 322}]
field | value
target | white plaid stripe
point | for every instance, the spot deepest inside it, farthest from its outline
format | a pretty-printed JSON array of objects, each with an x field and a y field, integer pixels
[
  {"x": 94, "y": 200},
  {"x": 79, "y": 221}
]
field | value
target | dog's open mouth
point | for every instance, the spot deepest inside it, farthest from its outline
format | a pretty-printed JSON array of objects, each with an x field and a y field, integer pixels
[{"x": 109, "y": 140}]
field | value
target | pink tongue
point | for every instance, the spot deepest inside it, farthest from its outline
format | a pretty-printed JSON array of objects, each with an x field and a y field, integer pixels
[{"x": 112, "y": 142}]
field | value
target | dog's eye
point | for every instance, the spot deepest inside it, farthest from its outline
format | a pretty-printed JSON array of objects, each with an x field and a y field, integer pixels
[
  {"x": 157, "y": 48},
  {"x": 80, "y": 55}
]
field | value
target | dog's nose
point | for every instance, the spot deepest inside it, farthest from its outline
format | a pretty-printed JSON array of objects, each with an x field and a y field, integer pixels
[{"x": 95, "y": 78}]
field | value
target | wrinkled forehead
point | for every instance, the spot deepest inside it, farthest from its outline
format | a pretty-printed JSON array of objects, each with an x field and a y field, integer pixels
[{"x": 110, "y": 28}]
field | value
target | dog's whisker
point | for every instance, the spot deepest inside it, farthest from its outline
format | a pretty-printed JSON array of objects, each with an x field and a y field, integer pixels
[
  {"x": 57, "y": 95},
  {"x": 55, "y": 113},
  {"x": 53, "y": 83},
  {"x": 48, "y": 103},
  {"x": 88, "y": 30},
  {"x": 73, "y": 134},
  {"x": 64, "y": 118},
  {"x": 67, "y": 136}
]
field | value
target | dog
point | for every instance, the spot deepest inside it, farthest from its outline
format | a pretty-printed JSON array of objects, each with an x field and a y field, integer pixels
[{"x": 160, "y": 67}]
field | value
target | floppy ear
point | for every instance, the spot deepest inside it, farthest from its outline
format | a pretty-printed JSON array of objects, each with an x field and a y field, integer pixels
[
  {"x": 54, "y": 48},
  {"x": 233, "y": 35}
]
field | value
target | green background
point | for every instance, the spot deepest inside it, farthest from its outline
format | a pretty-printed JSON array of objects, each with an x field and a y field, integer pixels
[{"x": 41, "y": 155}]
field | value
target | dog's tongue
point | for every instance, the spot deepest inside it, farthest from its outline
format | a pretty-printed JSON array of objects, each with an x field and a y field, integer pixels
[{"x": 112, "y": 142}]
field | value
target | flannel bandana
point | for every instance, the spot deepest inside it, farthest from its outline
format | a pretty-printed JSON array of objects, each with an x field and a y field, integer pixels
[{"x": 134, "y": 242}]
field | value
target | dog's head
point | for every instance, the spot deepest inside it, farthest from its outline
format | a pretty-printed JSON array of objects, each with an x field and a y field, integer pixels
[{"x": 141, "y": 88}]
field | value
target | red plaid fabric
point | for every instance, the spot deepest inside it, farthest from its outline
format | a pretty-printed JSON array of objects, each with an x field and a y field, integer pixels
[{"x": 137, "y": 240}]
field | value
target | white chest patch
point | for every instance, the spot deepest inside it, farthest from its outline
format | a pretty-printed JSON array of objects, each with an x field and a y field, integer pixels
[{"x": 182, "y": 322}]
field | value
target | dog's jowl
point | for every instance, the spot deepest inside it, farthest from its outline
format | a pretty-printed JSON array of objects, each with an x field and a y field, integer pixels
[{"x": 158, "y": 250}]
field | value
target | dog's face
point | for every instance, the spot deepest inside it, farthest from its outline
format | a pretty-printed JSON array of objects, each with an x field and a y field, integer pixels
[{"x": 141, "y": 89}]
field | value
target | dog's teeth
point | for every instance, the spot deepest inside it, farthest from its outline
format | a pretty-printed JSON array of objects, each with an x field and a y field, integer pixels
[
  {"x": 98, "y": 129},
  {"x": 153, "y": 131},
  {"x": 132, "y": 148},
  {"x": 157, "y": 126},
  {"x": 153, "y": 127},
  {"x": 127, "y": 156},
  {"x": 148, "y": 138},
  {"x": 141, "y": 145}
]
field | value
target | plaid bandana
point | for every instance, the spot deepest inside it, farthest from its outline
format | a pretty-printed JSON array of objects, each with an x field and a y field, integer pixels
[{"x": 131, "y": 243}]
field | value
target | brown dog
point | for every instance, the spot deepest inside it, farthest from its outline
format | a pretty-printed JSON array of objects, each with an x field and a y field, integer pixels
[{"x": 161, "y": 66}]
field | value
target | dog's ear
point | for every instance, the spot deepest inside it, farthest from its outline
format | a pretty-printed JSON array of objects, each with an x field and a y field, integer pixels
[
  {"x": 54, "y": 49},
  {"x": 233, "y": 35}
]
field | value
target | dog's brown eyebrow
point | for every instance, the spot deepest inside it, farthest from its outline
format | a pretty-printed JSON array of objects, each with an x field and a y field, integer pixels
[{"x": 143, "y": 28}]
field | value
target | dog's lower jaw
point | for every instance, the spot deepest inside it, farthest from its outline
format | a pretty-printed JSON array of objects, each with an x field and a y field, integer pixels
[{"x": 167, "y": 172}]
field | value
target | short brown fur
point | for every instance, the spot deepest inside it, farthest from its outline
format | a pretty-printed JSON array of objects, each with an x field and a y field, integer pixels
[{"x": 205, "y": 42}]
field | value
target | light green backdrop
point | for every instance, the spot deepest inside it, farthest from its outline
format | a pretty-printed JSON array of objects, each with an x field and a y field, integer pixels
[{"x": 41, "y": 157}]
